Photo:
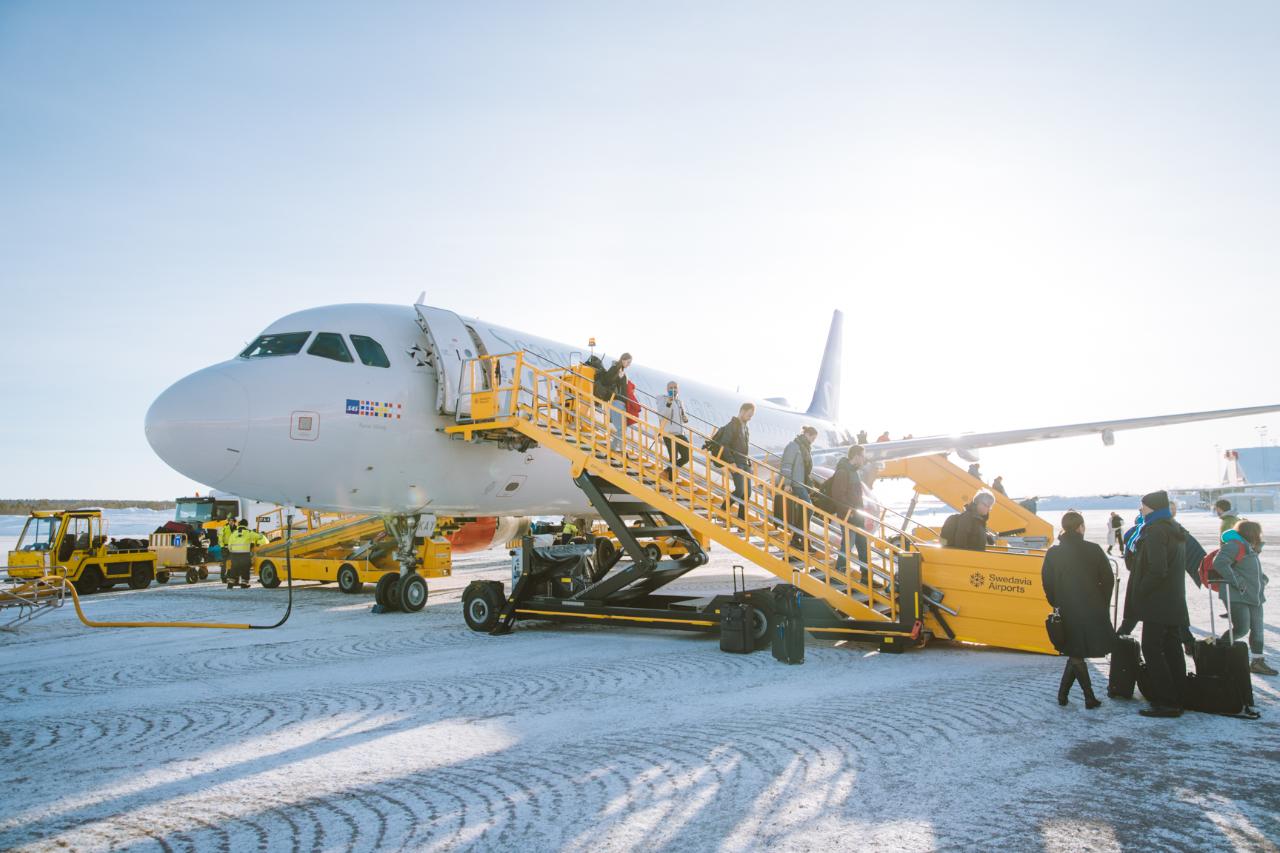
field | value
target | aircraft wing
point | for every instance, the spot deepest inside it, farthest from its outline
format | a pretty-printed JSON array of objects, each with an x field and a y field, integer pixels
[{"x": 964, "y": 443}]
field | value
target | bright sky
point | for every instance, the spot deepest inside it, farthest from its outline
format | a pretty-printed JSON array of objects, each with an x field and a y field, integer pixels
[{"x": 1031, "y": 213}]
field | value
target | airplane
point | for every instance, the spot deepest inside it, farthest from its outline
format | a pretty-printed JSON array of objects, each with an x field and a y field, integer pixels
[{"x": 341, "y": 408}]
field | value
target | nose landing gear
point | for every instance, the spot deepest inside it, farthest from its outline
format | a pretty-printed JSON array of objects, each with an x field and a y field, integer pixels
[{"x": 406, "y": 591}]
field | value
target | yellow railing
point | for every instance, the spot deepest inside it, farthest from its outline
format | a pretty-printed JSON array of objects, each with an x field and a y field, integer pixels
[{"x": 789, "y": 536}]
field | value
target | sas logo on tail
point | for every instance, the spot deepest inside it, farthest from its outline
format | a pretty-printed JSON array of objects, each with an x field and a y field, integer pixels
[{"x": 374, "y": 409}]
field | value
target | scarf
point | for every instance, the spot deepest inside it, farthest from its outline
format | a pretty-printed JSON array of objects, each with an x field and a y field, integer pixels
[{"x": 1144, "y": 523}]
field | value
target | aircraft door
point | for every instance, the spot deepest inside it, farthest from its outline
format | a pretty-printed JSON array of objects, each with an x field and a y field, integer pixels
[{"x": 451, "y": 347}]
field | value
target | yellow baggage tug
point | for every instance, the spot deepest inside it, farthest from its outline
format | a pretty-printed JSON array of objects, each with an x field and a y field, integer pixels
[
  {"x": 73, "y": 543},
  {"x": 907, "y": 589}
]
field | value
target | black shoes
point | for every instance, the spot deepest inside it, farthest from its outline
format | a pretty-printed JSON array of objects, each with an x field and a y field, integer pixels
[{"x": 1092, "y": 702}]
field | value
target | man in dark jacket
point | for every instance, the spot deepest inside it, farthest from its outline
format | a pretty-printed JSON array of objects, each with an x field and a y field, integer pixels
[
  {"x": 968, "y": 529},
  {"x": 1161, "y": 604},
  {"x": 610, "y": 387},
  {"x": 845, "y": 491},
  {"x": 732, "y": 443}
]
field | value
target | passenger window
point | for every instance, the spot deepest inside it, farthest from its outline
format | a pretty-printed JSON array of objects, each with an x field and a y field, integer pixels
[
  {"x": 287, "y": 343},
  {"x": 330, "y": 345},
  {"x": 370, "y": 351}
]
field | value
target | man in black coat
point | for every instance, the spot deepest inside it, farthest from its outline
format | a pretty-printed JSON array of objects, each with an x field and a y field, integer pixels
[
  {"x": 1161, "y": 604},
  {"x": 968, "y": 529},
  {"x": 846, "y": 496},
  {"x": 732, "y": 443}
]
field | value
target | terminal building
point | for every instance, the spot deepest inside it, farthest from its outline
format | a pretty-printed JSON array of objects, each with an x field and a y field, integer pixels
[{"x": 1251, "y": 480}]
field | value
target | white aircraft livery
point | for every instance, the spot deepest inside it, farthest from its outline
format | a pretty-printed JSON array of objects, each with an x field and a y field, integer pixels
[{"x": 341, "y": 408}]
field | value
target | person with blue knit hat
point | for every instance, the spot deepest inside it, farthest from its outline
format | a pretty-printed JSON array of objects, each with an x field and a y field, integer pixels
[{"x": 1160, "y": 549}]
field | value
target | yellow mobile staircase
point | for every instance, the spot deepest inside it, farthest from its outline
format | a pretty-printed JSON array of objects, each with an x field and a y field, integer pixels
[{"x": 884, "y": 599}]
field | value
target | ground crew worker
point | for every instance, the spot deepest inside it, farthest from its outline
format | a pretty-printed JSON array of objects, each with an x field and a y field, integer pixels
[
  {"x": 241, "y": 543},
  {"x": 567, "y": 531},
  {"x": 224, "y": 550}
]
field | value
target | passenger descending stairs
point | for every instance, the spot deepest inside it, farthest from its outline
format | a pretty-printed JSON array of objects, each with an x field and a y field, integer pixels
[{"x": 555, "y": 409}]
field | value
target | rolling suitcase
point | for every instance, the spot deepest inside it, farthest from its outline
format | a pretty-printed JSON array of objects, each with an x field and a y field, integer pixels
[
  {"x": 736, "y": 634},
  {"x": 1222, "y": 683},
  {"x": 788, "y": 633},
  {"x": 1126, "y": 663}
]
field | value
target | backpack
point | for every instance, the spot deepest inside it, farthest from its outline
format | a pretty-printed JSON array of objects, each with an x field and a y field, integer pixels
[{"x": 1206, "y": 566}]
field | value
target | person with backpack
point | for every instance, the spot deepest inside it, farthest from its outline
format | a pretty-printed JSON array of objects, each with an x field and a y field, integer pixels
[
  {"x": 796, "y": 469},
  {"x": 844, "y": 491},
  {"x": 1238, "y": 564},
  {"x": 732, "y": 443},
  {"x": 968, "y": 529},
  {"x": 1161, "y": 603},
  {"x": 611, "y": 389},
  {"x": 1077, "y": 582},
  {"x": 672, "y": 419}
]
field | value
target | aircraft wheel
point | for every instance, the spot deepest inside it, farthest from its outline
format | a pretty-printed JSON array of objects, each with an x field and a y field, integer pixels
[
  {"x": 192, "y": 576},
  {"x": 90, "y": 581},
  {"x": 482, "y": 605},
  {"x": 349, "y": 579},
  {"x": 387, "y": 592},
  {"x": 653, "y": 552},
  {"x": 762, "y": 623},
  {"x": 413, "y": 593},
  {"x": 162, "y": 577},
  {"x": 267, "y": 575},
  {"x": 139, "y": 578}
]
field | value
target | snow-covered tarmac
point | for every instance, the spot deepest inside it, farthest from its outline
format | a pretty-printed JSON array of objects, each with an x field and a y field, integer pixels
[{"x": 348, "y": 731}]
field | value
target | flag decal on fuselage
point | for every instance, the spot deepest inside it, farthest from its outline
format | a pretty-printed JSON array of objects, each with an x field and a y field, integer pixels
[{"x": 373, "y": 409}]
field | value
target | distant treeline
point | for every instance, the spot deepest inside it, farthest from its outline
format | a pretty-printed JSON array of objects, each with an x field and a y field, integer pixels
[{"x": 22, "y": 506}]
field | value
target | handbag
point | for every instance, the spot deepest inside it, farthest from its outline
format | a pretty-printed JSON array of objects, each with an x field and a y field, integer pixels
[{"x": 1056, "y": 630}]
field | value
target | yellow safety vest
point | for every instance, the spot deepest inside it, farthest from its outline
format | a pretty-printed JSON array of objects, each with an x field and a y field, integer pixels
[
  {"x": 242, "y": 541},
  {"x": 570, "y": 529},
  {"x": 224, "y": 533}
]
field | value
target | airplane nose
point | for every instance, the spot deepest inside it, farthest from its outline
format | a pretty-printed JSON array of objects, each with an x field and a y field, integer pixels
[{"x": 199, "y": 424}]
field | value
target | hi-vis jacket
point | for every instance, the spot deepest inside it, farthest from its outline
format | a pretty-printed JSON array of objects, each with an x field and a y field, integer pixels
[{"x": 243, "y": 540}]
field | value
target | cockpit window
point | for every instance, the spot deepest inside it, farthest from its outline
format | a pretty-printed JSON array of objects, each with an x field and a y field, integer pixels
[
  {"x": 287, "y": 343},
  {"x": 370, "y": 351},
  {"x": 330, "y": 345}
]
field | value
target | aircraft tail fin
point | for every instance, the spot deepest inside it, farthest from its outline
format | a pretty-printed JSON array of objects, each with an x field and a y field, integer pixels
[{"x": 826, "y": 393}]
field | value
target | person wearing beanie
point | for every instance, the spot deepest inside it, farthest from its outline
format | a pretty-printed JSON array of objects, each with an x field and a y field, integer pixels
[{"x": 1161, "y": 603}]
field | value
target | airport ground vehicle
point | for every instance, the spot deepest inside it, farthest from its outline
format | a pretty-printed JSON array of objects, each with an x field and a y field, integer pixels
[
  {"x": 74, "y": 542},
  {"x": 904, "y": 590},
  {"x": 349, "y": 551}
]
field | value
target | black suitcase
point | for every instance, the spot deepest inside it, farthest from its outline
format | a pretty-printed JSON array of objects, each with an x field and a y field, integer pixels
[
  {"x": 736, "y": 630},
  {"x": 788, "y": 633},
  {"x": 1126, "y": 663},
  {"x": 1222, "y": 683}
]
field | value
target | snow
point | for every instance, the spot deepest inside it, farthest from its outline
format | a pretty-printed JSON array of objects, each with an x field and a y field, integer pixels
[{"x": 349, "y": 731}]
